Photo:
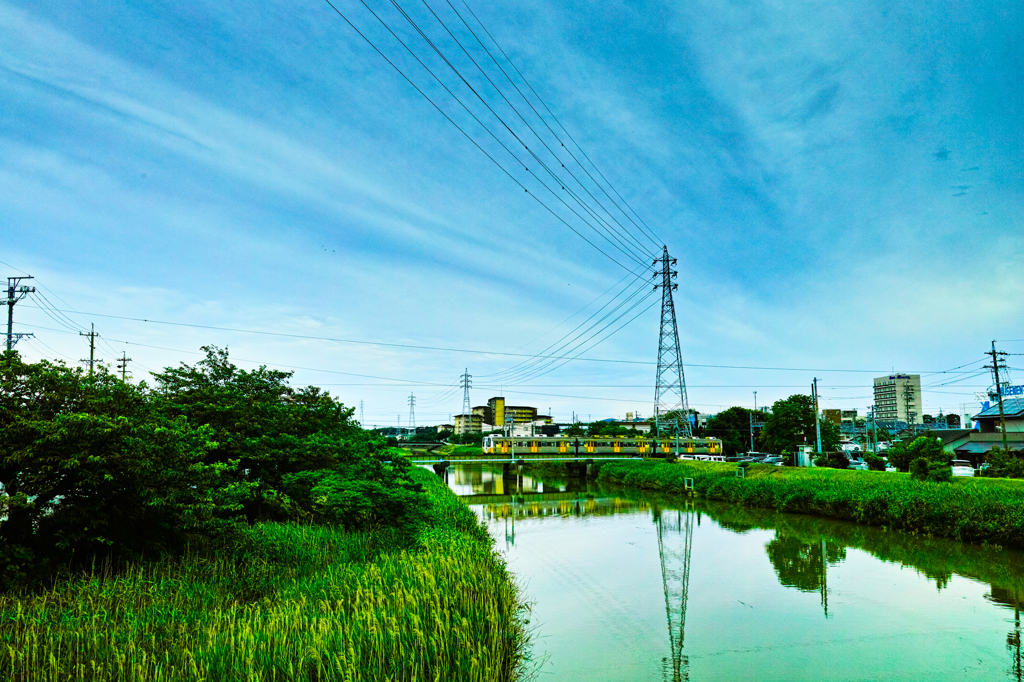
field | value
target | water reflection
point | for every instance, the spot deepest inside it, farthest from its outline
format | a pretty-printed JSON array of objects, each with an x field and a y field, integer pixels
[
  {"x": 800, "y": 555},
  {"x": 804, "y": 565}
]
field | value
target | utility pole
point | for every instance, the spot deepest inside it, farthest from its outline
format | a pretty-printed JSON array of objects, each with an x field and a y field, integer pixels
[
  {"x": 873, "y": 436},
  {"x": 15, "y": 292},
  {"x": 752, "y": 423},
  {"x": 92, "y": 346},
  {"x": 817, "y": 421},
  {"x": 412, "y": 414},
  {"x": 996, "y": 361},
  {"x": 122, "y": 364},
  {"x": 670, "y": 388},
  {"x": 908, "y": 401}
]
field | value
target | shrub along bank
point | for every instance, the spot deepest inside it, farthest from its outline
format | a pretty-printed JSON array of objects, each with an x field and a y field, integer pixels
[
  {"x": 967, "y": 509},
  {"x": 286, "y": 602}
]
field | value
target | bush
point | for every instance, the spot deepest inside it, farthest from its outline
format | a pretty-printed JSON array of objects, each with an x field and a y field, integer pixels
[
  {"x": 875, "y": 463},
  {"x": 919, "y": 469},
  {"x": 1003, "y": 464},
  {"x": 832, "y": 460},
  {"x": 940, "y": 473},
  {"x": 902, "y": 454}
]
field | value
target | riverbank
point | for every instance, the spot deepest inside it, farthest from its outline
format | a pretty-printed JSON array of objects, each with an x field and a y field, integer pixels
[
  {"x": 290, "y": 602},
  {"x": 966, "y": 509}
]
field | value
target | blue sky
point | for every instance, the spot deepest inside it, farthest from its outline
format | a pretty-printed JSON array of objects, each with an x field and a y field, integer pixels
[{"x": 842, "y": 184}]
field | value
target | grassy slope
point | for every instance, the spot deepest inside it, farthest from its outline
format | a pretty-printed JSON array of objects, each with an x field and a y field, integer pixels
[
  {"x": 968, "y": 509},
  {"x": 297, "y": 603}
]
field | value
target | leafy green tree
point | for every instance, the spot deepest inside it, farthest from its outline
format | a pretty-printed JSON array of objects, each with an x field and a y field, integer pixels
[
  {"x": 875, "y": 463},
  {"x": 577, "y": 430},
  {"x": 791, "y": 424},
  {"x": 1003, "y": 464},
  {"x": 272, "y": 430},
  {"x": 836, "y": 459},
  {"x": 92, "y": 471},
  {"x": 732, "y": 426},
  {"x": 928, "y": 447},
  {"x": 924, "y": 469}
]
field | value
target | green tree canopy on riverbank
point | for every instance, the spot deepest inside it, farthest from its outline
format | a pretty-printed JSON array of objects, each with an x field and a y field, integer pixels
[{"x": 93, "y": 468}]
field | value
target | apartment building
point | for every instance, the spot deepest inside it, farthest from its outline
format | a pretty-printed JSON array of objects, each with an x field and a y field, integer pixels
[{"x": 898, "y": 398}]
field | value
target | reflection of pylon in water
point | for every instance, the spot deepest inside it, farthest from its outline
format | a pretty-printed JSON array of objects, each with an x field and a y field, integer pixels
[{"x": 675, "y": 540}]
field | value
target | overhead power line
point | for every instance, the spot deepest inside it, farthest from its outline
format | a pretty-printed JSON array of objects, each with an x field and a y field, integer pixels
[
  {"x": 469, "y": 137},
  {"x": 385, "y": 344}
]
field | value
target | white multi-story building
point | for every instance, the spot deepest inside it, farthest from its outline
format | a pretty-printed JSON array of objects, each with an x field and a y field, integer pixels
[{"x": 898, "y": 398}]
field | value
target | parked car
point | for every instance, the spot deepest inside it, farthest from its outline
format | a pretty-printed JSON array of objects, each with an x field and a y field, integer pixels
[
  {"x": 961, "y": 467},
  {"x": 858, "y": 464},
  {"x": 774, "y": 459}
]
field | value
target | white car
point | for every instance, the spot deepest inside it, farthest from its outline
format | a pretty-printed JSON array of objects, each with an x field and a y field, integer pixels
[
  {"x": 858, "y": 464},
  {"x": 961, "y": 467}
]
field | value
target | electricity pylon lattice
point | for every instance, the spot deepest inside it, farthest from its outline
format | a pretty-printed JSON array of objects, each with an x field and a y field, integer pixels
[
  {"x": 671, "y": 409},
  {"x": 467, "y": 410},
  {"x": 412, "y": 413}
]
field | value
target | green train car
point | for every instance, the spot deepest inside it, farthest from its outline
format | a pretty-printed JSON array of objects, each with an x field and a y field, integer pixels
[{"x": 558, "y": 447}]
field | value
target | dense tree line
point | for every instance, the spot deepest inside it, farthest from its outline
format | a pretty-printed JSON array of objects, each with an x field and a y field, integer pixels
[{"x": 96, "y": 469}]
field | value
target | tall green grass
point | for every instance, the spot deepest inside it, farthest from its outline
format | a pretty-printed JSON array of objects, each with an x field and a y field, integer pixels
[
  {"x": 966, "y": 509},
  {"x": 289, "y": 603}
]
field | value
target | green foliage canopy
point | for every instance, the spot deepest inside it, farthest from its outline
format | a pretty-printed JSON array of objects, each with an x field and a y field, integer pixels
[
  {"x": 93, "y": 467},
  {"x": 928, "y": 447},
  {"x": 732, "y": 426},
  {"x": 90, "y": 467},
  {"x": 791, "y": 424}
]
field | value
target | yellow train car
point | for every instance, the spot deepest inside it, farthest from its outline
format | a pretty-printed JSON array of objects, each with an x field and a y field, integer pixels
[{"x": 560, "y": 447}]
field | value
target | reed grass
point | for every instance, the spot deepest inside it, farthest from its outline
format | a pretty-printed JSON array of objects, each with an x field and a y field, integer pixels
[
  {"x": 290, "y": 603},
  {"x": 965, "y": 509}
]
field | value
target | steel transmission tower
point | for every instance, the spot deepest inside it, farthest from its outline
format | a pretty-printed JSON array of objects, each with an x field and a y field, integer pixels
[
  {"x": 412, "y": 414},
  {"x": 671, "y": 408},
  {"x": 467, "y": 410}
]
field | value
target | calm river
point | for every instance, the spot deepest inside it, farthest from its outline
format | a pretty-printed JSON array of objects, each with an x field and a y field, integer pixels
[{"x": 631, "y": 586}]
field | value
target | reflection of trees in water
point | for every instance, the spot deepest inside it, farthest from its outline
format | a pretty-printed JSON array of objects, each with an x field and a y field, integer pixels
[
  {"x": 800, "y": 564},
  {"x": 804, "y": 565}
]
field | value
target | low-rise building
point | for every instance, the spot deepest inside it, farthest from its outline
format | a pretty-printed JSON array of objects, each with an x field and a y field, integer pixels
[
  {"x": 468, "y": 423},
  {"x": 973, "y": 445}
]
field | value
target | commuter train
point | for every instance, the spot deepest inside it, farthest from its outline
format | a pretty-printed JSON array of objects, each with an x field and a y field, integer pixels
[{"x": 560, "y": 447}]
